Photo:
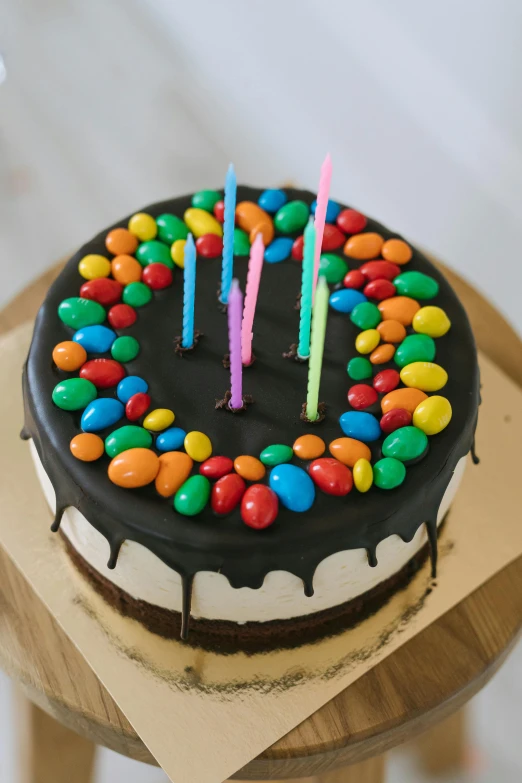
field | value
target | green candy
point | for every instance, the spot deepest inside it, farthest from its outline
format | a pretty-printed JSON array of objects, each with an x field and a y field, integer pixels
[
  {"x": 417, "y": 285},
  {"x": 359, "y": 368},
  {"x": 128, "y": 437},
  {"x": 293, "y": 216},
  {"x": 206, "y": 199},
  {"x": 365, "y": 315},
  {"x": 276, "y": 454},
  {"x": 74, "y": 394},
  {"x": 332, "y": 267},
  {"x": 241, "y": 243},
  {"x": 405, "y": 444},
  {"x": 388, "y": 473},
  {"x": 125, "y": 349},
  {"x": 77, "y": 312},
  {"x": 192, "y": 497},
  {"x": 171, "y": 228},
  {"x": 136, "y": 294},
  {"x": 154, "y": 252},
  {"x": 415, "y": 348}
]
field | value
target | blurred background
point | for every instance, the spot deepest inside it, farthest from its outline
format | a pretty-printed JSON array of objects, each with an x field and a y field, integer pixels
[{"x": 106, "y": 105}]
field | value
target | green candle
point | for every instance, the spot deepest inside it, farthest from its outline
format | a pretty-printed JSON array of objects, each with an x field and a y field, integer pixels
[
  {"x": 319, "y": 315},
  {"x": 307, "y": 287}
]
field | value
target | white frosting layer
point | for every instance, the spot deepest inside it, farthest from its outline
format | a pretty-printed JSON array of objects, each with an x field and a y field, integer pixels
[{"x": 339, "y": 578}]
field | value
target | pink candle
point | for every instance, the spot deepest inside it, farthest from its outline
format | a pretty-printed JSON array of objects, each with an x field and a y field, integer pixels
[
  {"x": 235, "y": 312},
  {"x": 255, "y": 266},
  {"x": 320, "y": 212}
]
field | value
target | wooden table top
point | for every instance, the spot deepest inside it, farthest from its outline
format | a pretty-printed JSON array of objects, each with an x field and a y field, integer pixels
[{"x": 383, "y": 708}]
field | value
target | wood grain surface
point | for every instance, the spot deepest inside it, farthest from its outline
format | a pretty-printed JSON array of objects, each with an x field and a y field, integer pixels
[{"x": 422, "y": 683}]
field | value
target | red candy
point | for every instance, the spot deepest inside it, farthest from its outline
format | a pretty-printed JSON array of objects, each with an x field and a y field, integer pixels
[
  {"x": 331, "y": 476},
  {"x": 157, "y": 276},
  {"x": 298, "y": 248},
  {"x": 106, "y": 292},
  {"x": 351, "y": 221},
  {"x": 216, "y": 467},
  {"x": 361, "y": 396},
  {"x": 219, "y": 211},
  {"x": 394, "y": 419},
  {"x": 209, "y": 246},
  {"x": 332, "y": 238},
  {"x": 226, "y": 493},
  {"x": 354, "y": 279},
  {"x": 386, "y": 381},
  {"x": 104, "y": 373},
  {"x": 121, "y": 315},
  {"x": 259, "y": 506},
  {"x": 137, "y": 406},
  {"x": 379, "y": 289},
  {"x": 377, "y": 270}
]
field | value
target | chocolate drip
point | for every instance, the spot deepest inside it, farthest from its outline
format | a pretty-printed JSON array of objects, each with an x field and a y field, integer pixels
[
  {"x": 25, "y": 434},
  {"x": 186, "y": 602},
  {"x": 57, "y": 518},
  {"x": 431, "y": 529},
  {"x": 474, "y": 457},
  {"x": 308, "y": 585},
  {"x": 372, "y": 557},
  {"x": 115, "y": 551}
]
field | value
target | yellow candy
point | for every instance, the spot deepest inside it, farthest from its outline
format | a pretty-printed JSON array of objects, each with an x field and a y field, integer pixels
[
  {"x": 426, "y": 376},
  {"x": 201, "y": 222},
  {"x": 432, "y": 321},
  {"x": 143, "y": 226},
  {"x": 367, "y": 341},
  {"x": 94, "y": 266},
  {"x": 177, "y": 252},
  {"x": 362, "y": 475},
  {"x": 158, "y": 419},
  {"x": 433, "y": 415},
  {"x": 198, "y": 446}
]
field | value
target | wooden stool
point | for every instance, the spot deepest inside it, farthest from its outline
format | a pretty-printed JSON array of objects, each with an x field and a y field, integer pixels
[{"x": 65, "y": 711}]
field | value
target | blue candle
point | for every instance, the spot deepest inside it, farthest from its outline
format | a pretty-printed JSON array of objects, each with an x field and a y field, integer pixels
[
  {"x": 189, "y": 292},
  {"x": 227, "y": 268},
  {"x": 307, "y": 289}
]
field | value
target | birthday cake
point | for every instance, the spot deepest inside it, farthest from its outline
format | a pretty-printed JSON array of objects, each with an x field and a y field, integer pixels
[{"x": 258, "y": 470}]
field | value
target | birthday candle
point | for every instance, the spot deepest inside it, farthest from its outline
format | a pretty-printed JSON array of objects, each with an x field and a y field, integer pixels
[
  {"x": 235, "y": 311},
  {"x": 227, "y": 266},
  {"x": 189, "y": 292},
  {"x": 307, "y": 281},
  {"x": 255, "y": 266},
  {"x": 320, "y": 211},
  {"x": 315, "y": 364}
]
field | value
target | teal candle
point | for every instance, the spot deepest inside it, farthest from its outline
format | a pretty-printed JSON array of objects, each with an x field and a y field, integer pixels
[
  {"x": 189, "y": 292},
  {"x": 307, "y": 288}
]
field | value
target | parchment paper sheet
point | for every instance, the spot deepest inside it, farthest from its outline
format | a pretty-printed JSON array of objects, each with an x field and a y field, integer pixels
[{"x": 187, "y": 704}]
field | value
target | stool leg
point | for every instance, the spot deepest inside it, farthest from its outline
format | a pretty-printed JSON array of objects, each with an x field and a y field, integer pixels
[
  {"x": 369, "y": 771},
  {"x": 443, "y": 748},
  {"x": 49, "y": 752}
]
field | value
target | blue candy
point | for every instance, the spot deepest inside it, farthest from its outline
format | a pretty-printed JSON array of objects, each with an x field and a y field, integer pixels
[
  {"x": 360, "y": 425},
  {"x": 171, "y": 439},
  {"x": 293, "y": 486},
  {"x": 95, "y": 339},
  {"x": 345, "y": 299},
  {"x": 272, "y": 200},
  {"x": 332, "y": 210},
  {"x": 129, "y": 386},
  {"x": 101, "y": 413},
  {"x": 278, "y": 250}
]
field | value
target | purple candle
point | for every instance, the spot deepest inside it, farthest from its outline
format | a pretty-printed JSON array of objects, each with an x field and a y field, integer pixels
[{"x": 235, "y": 315}]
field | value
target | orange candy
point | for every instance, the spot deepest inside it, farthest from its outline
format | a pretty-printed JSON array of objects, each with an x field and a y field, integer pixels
[
  {"x": 364, "y": 246},
  {"x": 69, "y": 356},
  {"x": 382, "y": 354},
  {"x": 396, "y": 250},
  {"x": 309, "y": 447},
  {"x": 174, "y": 470},
  {"x": 134, "y": 468},
  {"x": 249, "y": 468},
  {"x": 399, "y": 308},
  {"x": 402, "y": 398},
  {"x": 87, "y": 447},
  {"x": 391, "y": 331},
  {"x": 254, "y": 220},
  {"x": 125, "y": 269},
  {"x": 120, "y": 241},
  {"x": 349, "y": 450}
]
